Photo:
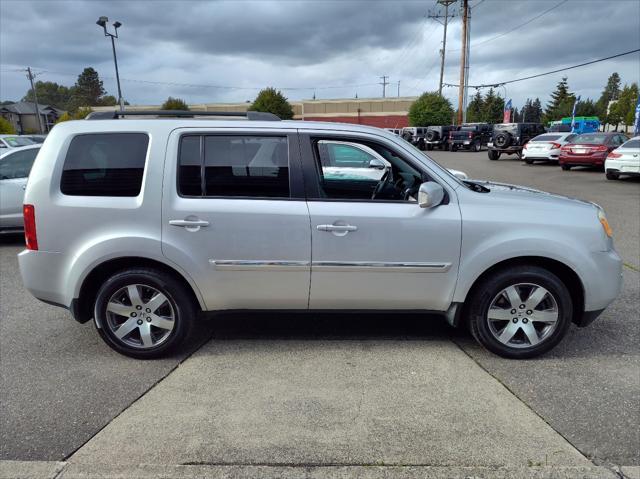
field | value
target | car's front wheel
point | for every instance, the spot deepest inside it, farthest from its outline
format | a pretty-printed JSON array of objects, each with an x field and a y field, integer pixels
[
  {"x": 493, "y": 155},
  {"x": 477, "y": 146},
  {"x": 143, "y": 313},
  {"x": 520, "y": 312}
]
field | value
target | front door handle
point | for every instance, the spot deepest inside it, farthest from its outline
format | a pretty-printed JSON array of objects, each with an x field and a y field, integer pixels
[
  {"x": 338, "y": 228},
  {"x": 190, "y": 224}
]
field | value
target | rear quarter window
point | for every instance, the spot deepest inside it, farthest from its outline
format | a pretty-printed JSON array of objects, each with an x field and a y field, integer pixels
[{"x": 105, "y": 164}]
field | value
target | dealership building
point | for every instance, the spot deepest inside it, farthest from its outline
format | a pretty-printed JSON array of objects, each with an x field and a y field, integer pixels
[{"x": 380, "y": 112}]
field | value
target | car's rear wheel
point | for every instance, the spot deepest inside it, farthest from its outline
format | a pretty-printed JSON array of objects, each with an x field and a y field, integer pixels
[
  {"x": 493, "y": 155},
  {"x": 612, "y": 176},
  {"x": 528, "y": 161},
  {"x": 143, "y": 313},
  {"x": 565, "y": 167},
  {"x": 477, "y": 146},
  {"x": 454, "y": 148},
  {"x": 520, "y": 312},
  {"x": 429, "y": 147}
]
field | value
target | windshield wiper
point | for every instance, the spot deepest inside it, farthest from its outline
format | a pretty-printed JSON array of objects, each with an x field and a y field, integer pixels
[{"x": 478, "y": 188}]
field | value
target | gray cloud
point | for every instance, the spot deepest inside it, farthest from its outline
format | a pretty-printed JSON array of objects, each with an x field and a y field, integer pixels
[{"x": 312, "y": 43}]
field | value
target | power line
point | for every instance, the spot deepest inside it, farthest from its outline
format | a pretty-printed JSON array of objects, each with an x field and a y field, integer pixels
[
  {"x": 517, "y": 26},
  {"x": 547, "y": 73}
]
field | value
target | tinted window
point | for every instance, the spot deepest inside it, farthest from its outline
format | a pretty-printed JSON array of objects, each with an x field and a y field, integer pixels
[
  {"x": 547, "y": 138},
  {"x": 631, "y": 144},
  {"x": 105, "y": 164},
  {"x": 18, "y": 164},
  {"x": 17, "y": 141},
  {"x": 596, "y": 139},
  {"x": 234, "y": 166}
]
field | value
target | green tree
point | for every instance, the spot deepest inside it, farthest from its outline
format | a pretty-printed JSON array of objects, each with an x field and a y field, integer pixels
[
  {"x": 611, "y": 92},
  {"x": 64, "y": 117},
  {"x": 50, "y": 93},
  {"x": 88, "y": 89},
  {"x": 174, "y": 104},
  {"x": 561, "y": 103},
  {"x": 493, "y": 108},
  {"x": 6, "y": 128},
  {"x": 430, "y": 109},
  {"x": 623, "y": 110},
  {"x": 474, "y": 108},
  {"x": 586, "y": 108},
  {"x": 81, "y": 113},
  {"x": 107, "y": 100},
  {"x": 272, "y": 101}
]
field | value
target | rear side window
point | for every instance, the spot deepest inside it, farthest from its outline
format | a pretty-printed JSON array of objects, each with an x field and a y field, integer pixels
[
  {"x": 234, "y": 166},
  {"x": 18, "y": 164},
  {"x": 105, "y": 164},
  {"x": 631, "y": 144}
]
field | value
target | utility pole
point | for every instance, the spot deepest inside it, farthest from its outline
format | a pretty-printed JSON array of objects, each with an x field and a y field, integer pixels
[
  {"x": 31, "y": 76},
  {"x": 445, "y": 21},
  {"x": 466, "y": 68},
  {"x": 398, "y": 88},
  {"x": 463, "y": 60},
  {"x": 384, "y": 84}
]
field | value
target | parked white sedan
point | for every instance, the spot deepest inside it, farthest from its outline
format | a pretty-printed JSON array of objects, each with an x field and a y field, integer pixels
[
  {"x": 624, "y": 160},
  {"x": 15, "y": 165},
  {"x": 545, "y": 147}
]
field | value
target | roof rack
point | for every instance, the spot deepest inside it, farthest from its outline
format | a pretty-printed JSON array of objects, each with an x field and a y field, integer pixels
[{"x": 249, "y": 115}]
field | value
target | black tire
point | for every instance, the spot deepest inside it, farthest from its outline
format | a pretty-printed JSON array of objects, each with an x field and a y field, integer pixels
[
  {"x": 432, "y": 135},
  {"x": 528, "y": 161},
  {"x": 612, "y": 176},
  {"x": 565, "y": 167},
  {"x": 454, "y": 147},
  {"x": 481, "y": 297},
  {"x": 179, "y": 298},
  {"x": 429, "y": 147},
  {"x": 445, "y": 147},
  {"x": 477, "y": 146},
  {"x": 502, "y": 139},
  {"x": 493, "y": 155}
]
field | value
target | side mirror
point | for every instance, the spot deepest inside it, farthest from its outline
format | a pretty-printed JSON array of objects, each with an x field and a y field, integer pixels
[
  {"x": 430, "y": 194},
  {"x": 377, "y": 164}
]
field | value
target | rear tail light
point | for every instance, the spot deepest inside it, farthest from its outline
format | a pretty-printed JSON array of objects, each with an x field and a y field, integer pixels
[
  {"x": 566, "y": 148},
  {"x": 470, "y": 135},
  {"x": 30, "y": 236},
  {"x": 555, "y": 146},
  {"x": 451, "y": 135},
  {"x": 613, "y": 154},
  {"x": 600, "y": 148},
  {"x": 525, "y": 145}
]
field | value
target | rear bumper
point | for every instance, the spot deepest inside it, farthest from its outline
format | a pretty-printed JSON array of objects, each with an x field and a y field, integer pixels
[
  {"x": 508, "y": 150},
  {"x": 43, "y": 275},
  {"x": 622, "y": 167},
  {"x": 588, "y": 317},
  {"x": 583, "y": 160}
]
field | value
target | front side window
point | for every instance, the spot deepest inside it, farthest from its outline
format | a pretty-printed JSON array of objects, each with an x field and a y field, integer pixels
[
  {"x": 234, "y": 166},
  {"x": 364, "y": 171},
  {"x": 18, "y": 164},
  {"x": 105, "y": 164}
]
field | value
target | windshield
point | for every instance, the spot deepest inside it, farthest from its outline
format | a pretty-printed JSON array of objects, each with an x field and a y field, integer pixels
[
  {"x": 547, "y": 138},
  {"x": 15, "y": 141},
  {"x": 635, "y": 143},
  {"x": 593, "y": 138}
]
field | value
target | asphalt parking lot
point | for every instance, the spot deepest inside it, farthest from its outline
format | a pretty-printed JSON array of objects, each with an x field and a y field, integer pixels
[{"x": 341, "y": 390}]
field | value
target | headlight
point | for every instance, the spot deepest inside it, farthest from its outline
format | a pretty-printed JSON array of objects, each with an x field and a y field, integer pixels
[{"x": 605, "y": 224}]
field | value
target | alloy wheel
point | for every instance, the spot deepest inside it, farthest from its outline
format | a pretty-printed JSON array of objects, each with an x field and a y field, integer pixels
[
  {"x": 140, "y": 316},
  {"x": 523, "y": 315}
]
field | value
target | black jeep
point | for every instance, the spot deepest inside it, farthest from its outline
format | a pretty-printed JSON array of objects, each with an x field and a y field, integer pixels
[
  {"x": 438, "y": 136},
  {"x": 509, "y": 138},
  {"x": 470, "y": 136}
]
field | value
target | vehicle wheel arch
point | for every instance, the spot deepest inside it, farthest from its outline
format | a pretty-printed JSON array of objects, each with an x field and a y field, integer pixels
[
  {"x": 88, "y": 290},
  {"x": 564, "y": 272}
]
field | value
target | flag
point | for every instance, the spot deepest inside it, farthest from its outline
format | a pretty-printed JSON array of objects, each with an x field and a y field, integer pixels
[
  {"x": 636, "y": 124},
  {"x": 507, "y": 112},
  {"x": 573, "y": 115}
]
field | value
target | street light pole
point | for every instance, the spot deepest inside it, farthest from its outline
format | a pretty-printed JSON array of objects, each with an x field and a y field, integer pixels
[{"x": 102, "y": 21}]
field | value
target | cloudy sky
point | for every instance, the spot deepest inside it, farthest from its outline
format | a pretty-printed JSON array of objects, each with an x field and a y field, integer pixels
[{"x": 224, "y": 51}]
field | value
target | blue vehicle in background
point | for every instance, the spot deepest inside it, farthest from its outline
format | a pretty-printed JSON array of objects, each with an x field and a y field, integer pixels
[{"x": 582, "y": 124}]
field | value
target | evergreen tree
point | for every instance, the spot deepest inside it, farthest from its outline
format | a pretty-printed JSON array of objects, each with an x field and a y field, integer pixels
[
  {"x": 623, "y": 110},
  {"x": 586, "y": 108},
  {"x": 527, "y": 111},
  {"x": 174, "y": 104},
  {"x": 272, "y": 101},
  {"x": 88, "y": 89},
  {"x": 536, "y": 111},
  {"x": 474, "y": 109},
  {"x": 50, "y": 93},
  {"x": 611, "y": 92},
  {"x": 561, "y": 103},
  {"x": 493, "y": 108}
]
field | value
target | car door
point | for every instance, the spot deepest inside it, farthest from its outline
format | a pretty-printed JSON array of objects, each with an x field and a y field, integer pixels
[
  {"x": 14, "y": 171},
  {"x": 379, "y": 253},
  {"x": 234, "y": 217}
]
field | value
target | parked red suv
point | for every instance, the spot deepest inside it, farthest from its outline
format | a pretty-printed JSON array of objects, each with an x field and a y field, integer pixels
[{"x": 589, "y": 149}]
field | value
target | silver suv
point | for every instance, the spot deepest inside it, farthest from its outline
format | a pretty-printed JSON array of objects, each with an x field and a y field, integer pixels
[{"x": 141, "y": 223}]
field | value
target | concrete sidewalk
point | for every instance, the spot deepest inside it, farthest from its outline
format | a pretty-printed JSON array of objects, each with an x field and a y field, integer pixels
[{"x": 321, "y": 403}]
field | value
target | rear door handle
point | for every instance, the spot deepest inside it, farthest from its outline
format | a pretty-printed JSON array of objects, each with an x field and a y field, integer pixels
[{"x": 339, "y": 228}]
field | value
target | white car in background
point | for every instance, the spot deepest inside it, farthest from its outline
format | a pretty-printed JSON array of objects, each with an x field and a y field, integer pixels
[
  {"x": 15, "y": 165},
  {"x": 14, "y": 141},
  {"x": 545, "y": 147},
  {"x": 624, "y": 160}
]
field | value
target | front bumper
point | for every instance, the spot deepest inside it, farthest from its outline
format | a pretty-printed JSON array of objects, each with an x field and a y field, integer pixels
[{"x": 602, "y": 285}]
